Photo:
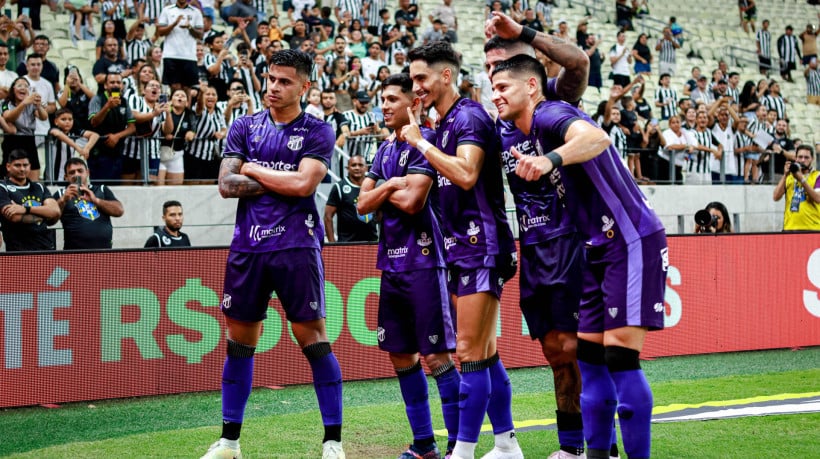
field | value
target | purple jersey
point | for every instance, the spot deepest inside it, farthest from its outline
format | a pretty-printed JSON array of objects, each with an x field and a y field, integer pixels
[
  {"x": 474, "y": 221},
  {"x": 540, "y": 206},
  {"x": 272, "y": 222},
  {"x": 602, "y": 196},
  {"x": 407, "y": 242}
]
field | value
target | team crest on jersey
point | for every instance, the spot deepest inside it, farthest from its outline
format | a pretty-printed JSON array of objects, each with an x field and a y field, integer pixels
[
  {"x": 433, "y": 339},
  {"x": 226, "y": 302},
  {"x": 11, "y": 188},
  {"x": 465, "y": 280},
  {"x": 424, "y": 240},
  {"x": 665, "y": 259},
  {"x": 166, "y": 240},
  {"x": 444, "y": 139},
  {"x": 473, "y": 231},
  {"x": 346, "y": 189},
  {"x": 87, "y": 210},
  {"x": 403, "y": 158},
  {"x": 314, "y": 305},
  {"x": 608, "y": 223},
  {"x": 309, "y": 223},
  {"x": 295, "y": 142},
  {"x": 380, "y": 334},
  {"x": 613, "y": 312}
]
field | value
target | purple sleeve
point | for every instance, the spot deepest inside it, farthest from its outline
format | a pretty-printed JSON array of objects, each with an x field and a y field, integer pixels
[
  {"x": 375, "y": 171},
  {"x": 474, "y": 130},
  {"x": 417, "y": 163},
  {"x": 235, "y": 143},
  {"x": 558, "y": 118},
  {"x": 552, "y": 91},
  {"x": 320, "y": 144}
]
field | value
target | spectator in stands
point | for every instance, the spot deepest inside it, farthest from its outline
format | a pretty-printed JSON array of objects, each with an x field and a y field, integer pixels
[
  {"x": 218, "y": 62},
  {"x": 701, "y": 94},
  {"x": 353, "y": 7},
  {"x": 789, "y": 52},
  {"x": 202, "y": 156},
  {"x": 26, "y": 208},
  {"x": 34, "y": 66},
  {"x": 243, "y": 70},
  {"x": 110, "y": 62},
  {"x": 666, "y": 98},
  {"x": 169, "y": 235},
  {"x": 783, "y": 148},
  {"x": 619, "y": 58},
  {"x": 732, "y": 89},
  {"x": 446, "y": 13},
  {"x": 690, "y": 117},
  {"x": 748, "y": 150},
  {"x": 134, "y": 85},
  {"x": 181, "y": 25},
  {"x": 115, "y": 11},
  {"x": 75, "y": 96},
  {"x": 86, "y": 209},
  {"x": 357, "y": 44},
  {"x": 675, "y": 140},
  {"x": 332, "y": 116},
  {"x": 802, "y": 191},
  {"x": 15, "y": 36},
  {"x": 136, "y": 43},
  {"x": 692, "y": 82},
  {"x": 433, "y": 33},
  {"x": 373, "y": 61},
  {"x": 531, "y": 20},
  {"x": 108, "y": 29},
  {"x": 642, "y": 56},
  {"x": 67, "y": 143},
  {"x": 774, "y": 101},
  {"x": 642, "y": 106},
  {"x": 6, "y": 76},
  {"x": 364, "y": 130},
  {"x": 111, "y": 118},
  {"x": 399, "y": 62},
  {"x": 149, "y": 114},
  {"x": 651, "y": 145},
  {"x": 624, "y": 13},
  {"x": 812, "y": 74},
  {"x": 154, "y": 59},
  {"x": 408, "y": 16},
  {"x": 808, "y": 39},
  {"x": 81, "y": 20},
  {"x": 374, "y": 90},
  {"x": 720, "y": 216},
  {"x": 748, "y": 14},
  {"x": 722, "y": 119},
  {"x": 341, "y": 202},
  {"x": 516, "y": 11},
  {"x": 22, "y": 108},
  {"x": 239, "y": 102},
  {"x": 667, "y": 50},
  {"x": 612, "y": 123},
  {"x": 748, "y": 99},
  {"x": 763, "y": 41},
  {"x": 242, "y": 14},
  {"x": 344, "y": 82},
  {"x": 596, "y": 58},
  {"x": 178, "y": 128},
  {"x": 49, "y": 71}
]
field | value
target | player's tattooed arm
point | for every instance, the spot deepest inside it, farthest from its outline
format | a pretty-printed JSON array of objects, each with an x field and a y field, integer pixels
[
  {"x": 574, "y": 75},
  {"x": 232, "y": 184}
]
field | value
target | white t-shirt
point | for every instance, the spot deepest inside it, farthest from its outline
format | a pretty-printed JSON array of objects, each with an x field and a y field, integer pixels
[
  {"x": 179, "y": 43},
  {"x": 621, "y": 66},
  {"x": 7, "y": 77},
  {"x": 371, "y": 66},
  {"x": 727, "y": 144},
  {"x": 46, "y": 91},
  {"x": 299, "y": 6},
  {"x": 673, "y": 139}
]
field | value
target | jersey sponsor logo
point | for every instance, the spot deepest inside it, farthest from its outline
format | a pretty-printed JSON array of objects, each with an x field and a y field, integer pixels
[
  {"x": 665, "y": 259},
  {"x": 277, "y": 165},
  {"x": 314, "y": 305},
  {"x": 380, "y": 334},
  {"x": 257, "y": 233},
  {"x": 398, "y": 252},
  {"x": 226, "y": 301},
  {"x": 658, "y": 307},
  {"x": 449, "y": 242},
  {"x": 509, "y": 162},
  {"x": 444, "y": 138},
  {"x": 443, "y": 181},
  {"x": 527, "y": 223},
  {"x": 403, "y": 158},
  {"x": 295, "y": 142}
]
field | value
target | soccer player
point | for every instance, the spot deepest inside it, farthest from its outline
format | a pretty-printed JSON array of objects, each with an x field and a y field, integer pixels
[
  {"x": 551, "y": 261},
  {"x": 479, "y": 247},
  {"x": 626, "y": 253},
  {"x": 413, "y": 322},
  {"x": 274, "y": 160}
]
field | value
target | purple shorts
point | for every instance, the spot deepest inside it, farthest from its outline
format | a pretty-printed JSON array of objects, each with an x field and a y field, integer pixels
[
  {"x": 466, "y": 281},
  {"x": 624, "y": 285},
  {"x": 297, "y": 276},
  {"x": 550, "y": 284},
  {"x": 415, "y": 313}
]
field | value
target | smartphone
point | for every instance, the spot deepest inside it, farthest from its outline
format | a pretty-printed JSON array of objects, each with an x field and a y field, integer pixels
[
  {"x": 163, "y": 98},
  {"x": 115, "y": 94},
  {"x": 7, "y": 13},
  {"x": 78, "y": 180},
  {"x": 654, "y": 122},
  {"x": 26, "y": 11}
]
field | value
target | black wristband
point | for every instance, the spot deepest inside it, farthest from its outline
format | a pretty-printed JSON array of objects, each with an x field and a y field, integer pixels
[
  {"x": 527, "y": 34},
  {"x": 555, "y": 159},
  {"x": 28, "y": 209}
]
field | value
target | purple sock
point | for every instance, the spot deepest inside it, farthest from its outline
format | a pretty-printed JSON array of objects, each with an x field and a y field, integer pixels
[
  {"x": 327, "y": 381},
  {"x": 634, "y": 411},
  {"x": 499, "y": 409},
  {"x": 448, "y": 381},
  {"x": 413, "y": 384},
  {"x": 237, "y": 376},
  {"x": 598, "y": 397},
  {"x": 474, "y": 396}
]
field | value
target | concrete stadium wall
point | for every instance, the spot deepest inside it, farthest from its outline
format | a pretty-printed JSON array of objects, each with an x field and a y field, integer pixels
[{"x": 209, "y": 219}]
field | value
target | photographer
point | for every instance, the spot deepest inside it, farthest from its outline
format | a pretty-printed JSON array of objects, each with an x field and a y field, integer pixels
[
  {"x": 802, "y": 189},
  {"x": 713, "y": 219}
]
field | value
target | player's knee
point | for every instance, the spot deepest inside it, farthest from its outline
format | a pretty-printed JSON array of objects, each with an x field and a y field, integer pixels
[
  {"x": 621, "y": 359},
  {"x": 559, "y": 348},
  {"x": 316, "y": 351},
  {"x": 438, "y": 360},
  {"x": 240, "y": 350}
]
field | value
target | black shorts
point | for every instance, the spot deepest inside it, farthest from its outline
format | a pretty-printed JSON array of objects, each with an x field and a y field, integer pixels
[
  {"x": 621, "y": 80},
  {"x": 179, "y": 71},
  {"x": 199, "y": 169},
  {"x": 765, "y": 63}
]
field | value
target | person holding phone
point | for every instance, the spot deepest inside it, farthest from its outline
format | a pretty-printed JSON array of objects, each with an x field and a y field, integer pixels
[
  {"x": 112, "y": 118},
  {"x": 21, "y": 109},
  {"x": 182, "y": 26},
  {"x": 86, "y": 209}
]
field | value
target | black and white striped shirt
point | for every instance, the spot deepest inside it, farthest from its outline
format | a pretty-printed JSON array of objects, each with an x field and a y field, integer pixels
[
  {"x": 360, "y": 145},
  {"x": 701, "y": 160},
  {"x": 244, "y": 74},
  {"x": 109, "y": 11},
  {"x": 741, "y": 141},
  {"x": 376, "y": 100},
  {"x": 391, "y": 50},
  {"x": 616, "y": 134},
  {"x": 225, "y": 71},
  {"x": 787, "y": 48},
  {"x": 545, "y": 9},
  {"x": 208, "y": 123},
  {"x": 734, "y": 93},
  {"x": 241, "y": 110},
  {"x": 813, "y": 82},
  {"x": 354, "y": 6},
  {"x": 134, "y": 146},
  {"x": 152, "y": 8},
  {"x": 373, "y": 18},
  {"x": 664, "y": 94},
  {"x": 667, "y": 52},
  {"x": 136, "y": 49},
  {"x": 775, "y": 103},
  {"x": 764, "y": 40}
]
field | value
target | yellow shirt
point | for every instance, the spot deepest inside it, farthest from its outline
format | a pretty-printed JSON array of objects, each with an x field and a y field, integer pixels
[{"x": 802, "y": 214}]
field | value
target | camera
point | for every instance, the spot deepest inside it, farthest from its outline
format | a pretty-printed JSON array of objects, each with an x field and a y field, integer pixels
[
  {"x": 794, "y": 168},
  {"x": 705, "y": 220}
]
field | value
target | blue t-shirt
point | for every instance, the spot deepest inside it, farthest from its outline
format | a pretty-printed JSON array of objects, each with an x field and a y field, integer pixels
[
  {"x": 407, "y": 242},
  {"x": 272, "y": 222},
  {"x": 474, "y": 221},
  {"x": 602, "y": 197}
]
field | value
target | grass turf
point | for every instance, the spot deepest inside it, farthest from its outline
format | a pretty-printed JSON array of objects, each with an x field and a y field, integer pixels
[{"x": 285, "y": 423}]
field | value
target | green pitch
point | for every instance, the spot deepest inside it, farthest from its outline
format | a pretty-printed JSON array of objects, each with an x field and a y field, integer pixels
[{"x": 286, "y": 424}]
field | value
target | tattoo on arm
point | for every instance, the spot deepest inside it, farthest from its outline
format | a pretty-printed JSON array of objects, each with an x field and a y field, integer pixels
[
  {"x": 557, "y": 41},
  {"x": 232, "y": 184}
]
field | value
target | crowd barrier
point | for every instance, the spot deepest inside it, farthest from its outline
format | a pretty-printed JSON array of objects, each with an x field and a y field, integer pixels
[{"x": 88, "y": 326}]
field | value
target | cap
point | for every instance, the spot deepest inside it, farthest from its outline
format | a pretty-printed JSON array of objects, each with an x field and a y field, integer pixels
[
  {"x": 363, "y": 97},
  {"x": 702, "y": 77},
  {"x": 723, "y": 81},
  {"x": 400, "y": 51},
  {"x": 213, "y": 36},
  {"x": 562, "y": 21}
]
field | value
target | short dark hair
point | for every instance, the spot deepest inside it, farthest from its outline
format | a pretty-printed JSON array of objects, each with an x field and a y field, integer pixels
[
  {"x": 63, "y": 111},
  {"x": 74, "y": 160},
  {"x": 108, "y": 74},
  {"x": 17, "y": 154},
  {"x": 402, "y": 80},
  {"x": 437, "y": 52},
  {"x": 497, "y": 42},
  {"x": 521, "y": 64},
  {"x": 171, "y": 203},
  {"x": 34, "y": 56},
  {"x": 300, "y": 61},
  {"x": 807, "y": 147},
  {"x": 42, "y": 37}
]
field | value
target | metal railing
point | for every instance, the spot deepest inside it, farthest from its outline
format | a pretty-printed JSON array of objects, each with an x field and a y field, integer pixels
[{"x": 738, "y": 55}]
